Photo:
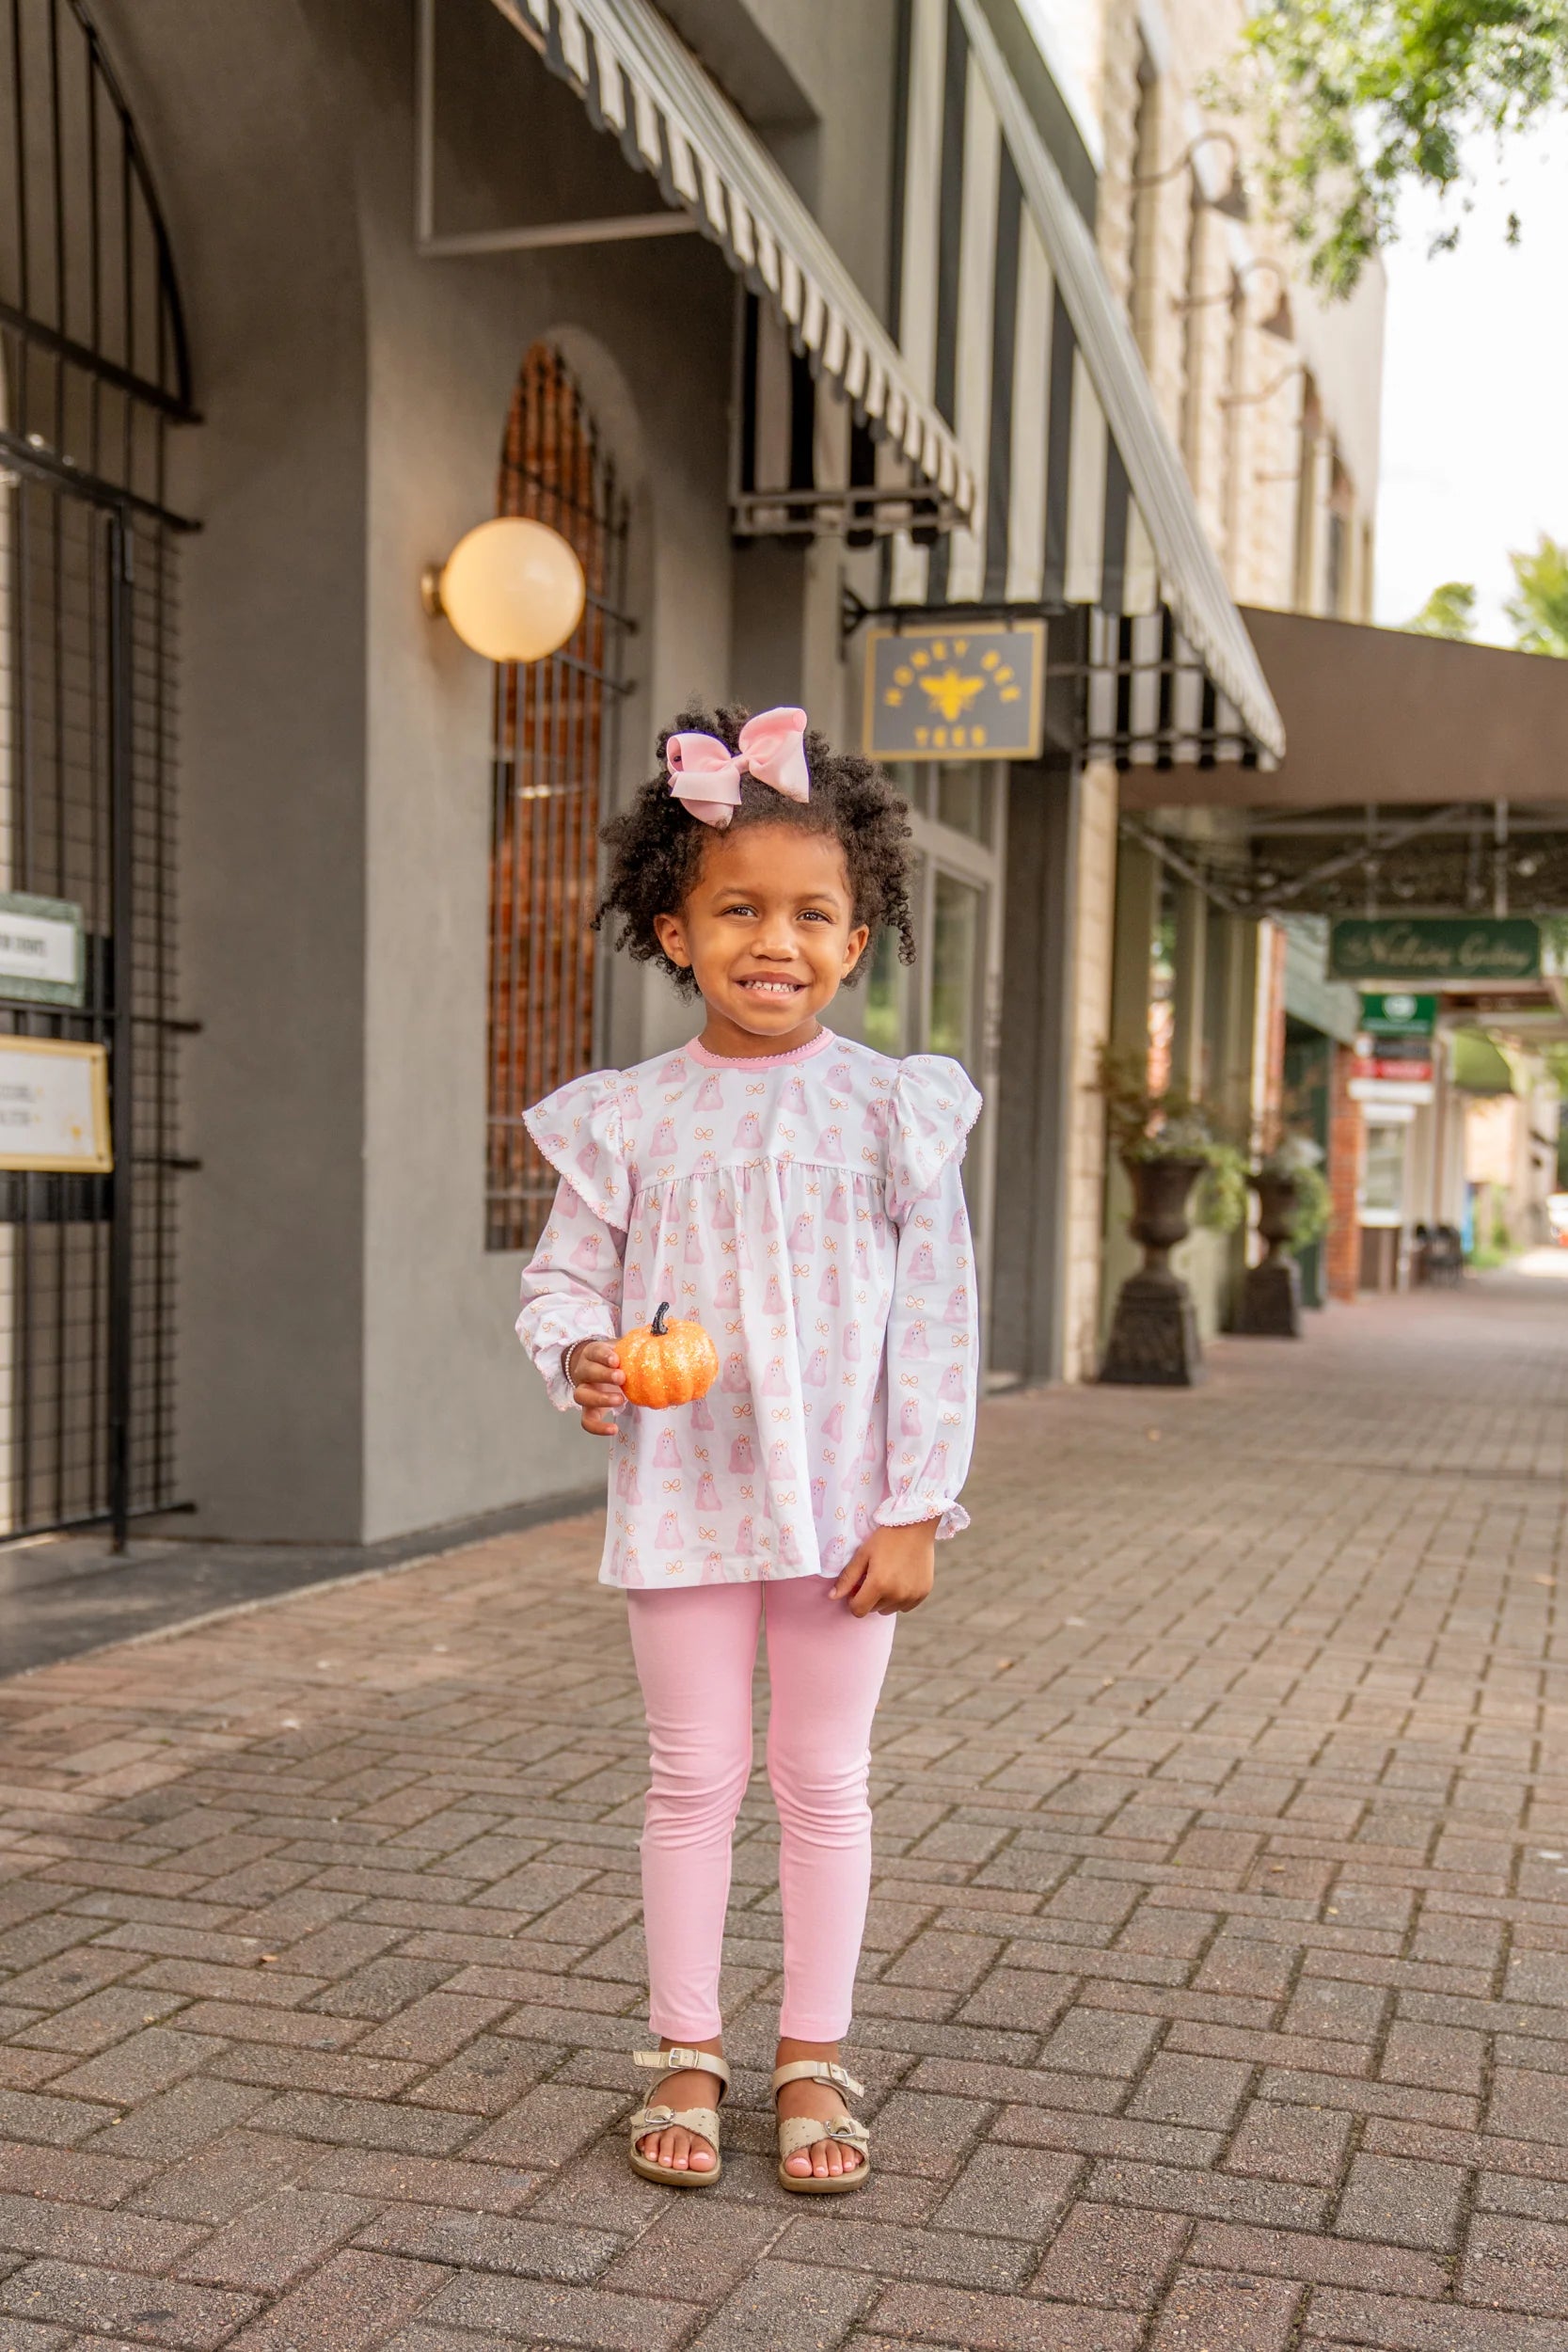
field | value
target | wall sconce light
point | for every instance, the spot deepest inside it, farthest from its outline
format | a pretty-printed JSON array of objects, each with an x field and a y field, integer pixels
[
  {"x": 1267, "y": 391},
  {"x": 1232, "y": 200},
  {"x": 1280, "y": 321},
  {"x": 511, "y": 588}
]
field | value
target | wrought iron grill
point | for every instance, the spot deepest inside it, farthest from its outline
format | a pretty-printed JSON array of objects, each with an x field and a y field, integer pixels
[
  {"x": 553, "y": 747},
  {"x": 93, "y": 370}
]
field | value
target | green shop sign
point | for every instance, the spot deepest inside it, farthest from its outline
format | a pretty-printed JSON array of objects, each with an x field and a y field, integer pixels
[
  {"x": 1448, "y": 947},
  {"x": 1397, "y": 1013}
]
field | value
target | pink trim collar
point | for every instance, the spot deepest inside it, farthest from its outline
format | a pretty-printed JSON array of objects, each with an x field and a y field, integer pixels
[{"x": 817, "y": 1044}]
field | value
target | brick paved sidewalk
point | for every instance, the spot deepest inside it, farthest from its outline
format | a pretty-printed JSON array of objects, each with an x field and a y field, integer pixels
[{"x": 1217, "y": 1986}]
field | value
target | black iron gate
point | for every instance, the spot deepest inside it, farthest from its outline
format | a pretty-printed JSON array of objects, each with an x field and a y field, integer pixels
[{"x": 93, "y": 371}]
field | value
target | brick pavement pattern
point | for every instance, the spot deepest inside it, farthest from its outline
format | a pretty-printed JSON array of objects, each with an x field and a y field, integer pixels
[{"x": 1216, "y": 1990}]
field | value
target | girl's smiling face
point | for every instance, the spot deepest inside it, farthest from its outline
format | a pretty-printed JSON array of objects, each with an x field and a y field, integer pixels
[{"x": 769, "y": 933}]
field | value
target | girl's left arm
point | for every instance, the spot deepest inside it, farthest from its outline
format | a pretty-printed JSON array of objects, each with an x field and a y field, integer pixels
[{"x": 932, "y": 1361}]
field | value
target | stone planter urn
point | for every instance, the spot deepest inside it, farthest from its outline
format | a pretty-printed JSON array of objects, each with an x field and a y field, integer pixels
[
  {"x": 1154, "y": 1340},
  {"x": 1271, "y": 1295}
]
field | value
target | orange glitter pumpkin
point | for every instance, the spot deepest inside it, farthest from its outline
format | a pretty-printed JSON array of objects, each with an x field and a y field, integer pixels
[{"x": 667, "y": 1363}]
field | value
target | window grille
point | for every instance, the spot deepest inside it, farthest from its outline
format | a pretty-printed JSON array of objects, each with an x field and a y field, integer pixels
[{"x": 555, "y": 723}]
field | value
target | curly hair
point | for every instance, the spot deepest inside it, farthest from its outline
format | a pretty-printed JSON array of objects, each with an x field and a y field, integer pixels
[{"x": 656, "y": 845}]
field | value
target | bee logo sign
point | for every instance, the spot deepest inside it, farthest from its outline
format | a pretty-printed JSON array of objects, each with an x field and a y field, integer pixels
[{"x": 956, "y": 693}]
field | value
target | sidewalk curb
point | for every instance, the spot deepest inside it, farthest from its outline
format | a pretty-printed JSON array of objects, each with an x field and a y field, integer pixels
[{"x": 551, "y": 1511}]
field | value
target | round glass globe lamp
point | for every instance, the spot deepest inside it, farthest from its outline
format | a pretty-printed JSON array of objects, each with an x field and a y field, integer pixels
[{"x": 511, "y": 588}]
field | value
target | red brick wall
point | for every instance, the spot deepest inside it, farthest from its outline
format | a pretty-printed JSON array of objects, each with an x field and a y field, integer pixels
[{"x": 1346, "y": 1134}]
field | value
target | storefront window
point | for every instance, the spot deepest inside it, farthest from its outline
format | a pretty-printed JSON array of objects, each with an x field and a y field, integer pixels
[
  {"x": 956, "y": 916},
  {"x": 886, "y": 996},
  {"x": 1383, "y": 1183},
  {"x": 964, "y": 799}
]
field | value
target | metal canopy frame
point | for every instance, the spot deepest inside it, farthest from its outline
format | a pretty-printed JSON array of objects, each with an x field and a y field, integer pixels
[
  {"x": 440, "y": 244},
  {"x": 1491, "y": 857}
]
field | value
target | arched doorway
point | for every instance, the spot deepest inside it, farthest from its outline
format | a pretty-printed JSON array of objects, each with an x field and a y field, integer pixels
[
  {"x": 93, "y": 373},
  {"x": 553, "y": 751}
]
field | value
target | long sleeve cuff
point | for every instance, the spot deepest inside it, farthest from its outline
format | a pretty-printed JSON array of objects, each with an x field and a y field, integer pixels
[{"x": 910, "y": 1510}]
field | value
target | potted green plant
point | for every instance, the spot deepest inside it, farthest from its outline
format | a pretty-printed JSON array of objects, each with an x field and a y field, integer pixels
[
  {"x": 1168, "y": 1142},
  {"x": 1295, "y": 1208}
]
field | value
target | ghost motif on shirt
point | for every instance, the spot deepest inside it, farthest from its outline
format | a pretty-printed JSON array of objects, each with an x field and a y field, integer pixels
[{"x": 724, "y": 1189}]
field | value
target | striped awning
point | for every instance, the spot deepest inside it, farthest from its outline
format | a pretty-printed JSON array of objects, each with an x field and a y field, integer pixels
[
  {"x": 640, "y": 82},
  {"x": 1008, "y": 325}
]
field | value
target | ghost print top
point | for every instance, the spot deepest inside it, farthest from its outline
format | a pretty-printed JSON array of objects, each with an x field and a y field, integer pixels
[{"x": 808, "y": 1210}]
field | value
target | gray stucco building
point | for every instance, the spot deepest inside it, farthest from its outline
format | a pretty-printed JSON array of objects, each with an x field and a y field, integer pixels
[{"x": 790, "y": 317}]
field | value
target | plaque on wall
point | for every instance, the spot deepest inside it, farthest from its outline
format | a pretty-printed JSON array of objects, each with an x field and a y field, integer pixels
[{"x": 54, "y": 1106}]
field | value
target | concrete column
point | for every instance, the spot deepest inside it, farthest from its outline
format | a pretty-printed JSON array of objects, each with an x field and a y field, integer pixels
[
  {"x": 1220, "y": 1260},
  {"x": 1033, "y": 1079},
  {"x": 1192, "y": 955},
  {"x": 1092, "y": 989},
  {"x": 1346, "y": 1143}
]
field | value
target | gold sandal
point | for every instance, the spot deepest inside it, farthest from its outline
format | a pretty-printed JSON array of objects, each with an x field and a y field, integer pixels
[
  {"x": 703, "y": 2121},
  {"x": 803, "y": 2131}
]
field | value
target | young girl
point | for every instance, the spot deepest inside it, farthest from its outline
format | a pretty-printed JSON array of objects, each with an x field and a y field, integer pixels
[{"x": 800, "y": 1196}]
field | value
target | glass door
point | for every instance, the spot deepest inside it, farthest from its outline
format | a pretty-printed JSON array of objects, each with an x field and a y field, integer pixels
[{"x": 949, "y": 1001}]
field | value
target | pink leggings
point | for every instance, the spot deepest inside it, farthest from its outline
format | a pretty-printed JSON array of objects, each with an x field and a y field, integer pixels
[{"x": 696, "y": 1648}]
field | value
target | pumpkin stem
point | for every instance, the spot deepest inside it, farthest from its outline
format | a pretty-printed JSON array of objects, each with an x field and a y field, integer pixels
[{"x": 659, "y": 1327}]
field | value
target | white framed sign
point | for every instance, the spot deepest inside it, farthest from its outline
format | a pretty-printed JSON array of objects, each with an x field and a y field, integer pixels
[
  {"x": 40, "y": 950},
  {"x": 54, "y": 1106}
]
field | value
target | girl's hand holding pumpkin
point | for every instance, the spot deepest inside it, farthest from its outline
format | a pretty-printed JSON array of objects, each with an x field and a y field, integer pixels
[
  {"x": 893, "y": 1570},
  {"x": 599, "y": 1384}
]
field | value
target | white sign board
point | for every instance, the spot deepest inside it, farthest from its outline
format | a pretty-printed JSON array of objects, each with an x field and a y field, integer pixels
[
  {"x": 1384, "y": 1091},
  {"x": 41, "y": 948},
  {"x": 54, "y": 1106}
]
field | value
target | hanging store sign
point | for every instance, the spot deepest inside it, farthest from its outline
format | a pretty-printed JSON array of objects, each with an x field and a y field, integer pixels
[
  {"x": 54, "y": 1106},
  {"x": 965, "y": 693},
  {"x": 41, "y": 961},
  {"x": 1397, "y": 1013},
  {"x": 1412, "y": 947},
  {"x": 1396, "y": 1038}
]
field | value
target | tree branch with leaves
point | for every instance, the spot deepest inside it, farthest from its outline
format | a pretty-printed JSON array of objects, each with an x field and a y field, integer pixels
[{"x": 1356, "y": 100}]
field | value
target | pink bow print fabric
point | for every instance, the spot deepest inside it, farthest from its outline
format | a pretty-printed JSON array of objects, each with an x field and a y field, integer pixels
[{"x": 705, "y": 774}]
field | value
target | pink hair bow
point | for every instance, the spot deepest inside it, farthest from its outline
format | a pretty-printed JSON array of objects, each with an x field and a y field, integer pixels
[{"x": 705, "y": 773}]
